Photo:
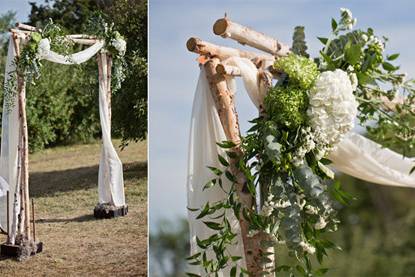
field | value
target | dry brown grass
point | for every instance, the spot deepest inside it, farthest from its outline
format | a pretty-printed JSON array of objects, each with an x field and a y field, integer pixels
[{"x": 63, "y": 183}]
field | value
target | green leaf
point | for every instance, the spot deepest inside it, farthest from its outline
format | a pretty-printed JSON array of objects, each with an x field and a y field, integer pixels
[
  {"x": 222, "y": 160},
  {"x": 197, "y": 255},
  {"x": 389, "y": 67},
  {"x": 230, "y": 176},
  {"x": 233, "y": 272},
  {"x": 412, "y": 170},
  {"x": 213, "y": 225},
  {"x": 283, "y": 268},
  {"x": 352, "y": 54},
  {"x": 392, "y": 57},
  {"x": 192, "y": 274},
  {"x": 323, "y": 40},
  {"x": 333, "y": 24},
  {"x": 215, "y": 170},
  {"x": 226, "y": 144},
  {"x": 209, "y": 184},
  {"x": 321, "y": 271}
]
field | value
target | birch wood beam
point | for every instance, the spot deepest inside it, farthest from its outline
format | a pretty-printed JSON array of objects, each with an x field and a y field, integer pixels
[
  {"x": 212, "y": 50},
  {"x": 225, "y": 105},
  {"x": 245, "y": 35},
  {"x": 84, "y": 41},
  {"x": 26, "y": 27}
]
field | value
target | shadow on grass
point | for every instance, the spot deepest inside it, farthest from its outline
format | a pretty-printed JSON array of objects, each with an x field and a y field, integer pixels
[
  {"x": 82, "y": 218},
  {"x": 49, "y": 183}
]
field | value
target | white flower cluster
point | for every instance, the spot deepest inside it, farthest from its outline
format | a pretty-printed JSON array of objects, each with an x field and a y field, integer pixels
[
  {"x": 120, "y": 45},
  {"x": 347, "y": 19},
  {"x": 270, "y": 205},
  {"x": 308, "y": 247},
  {"x": 374, "y": 40},
  {"x": 332, "y": 109},
  {"x": 307, "y": 145},
  {"x": 43, "y": 48}
]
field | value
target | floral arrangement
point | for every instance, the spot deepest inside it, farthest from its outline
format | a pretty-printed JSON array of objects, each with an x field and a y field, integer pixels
[
  {"x": 53, "y": 38},
  {"x": 309, "y": 111}
]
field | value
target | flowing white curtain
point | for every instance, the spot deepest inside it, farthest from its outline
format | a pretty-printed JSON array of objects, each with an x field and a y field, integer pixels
[
  {"x": 9, "y": 143},
  {"x": 205, "y": 131},
  {"x": 110, "y": 179},
  {"x": 362, "y": 158},
  {"x": 355, "y": 155}
]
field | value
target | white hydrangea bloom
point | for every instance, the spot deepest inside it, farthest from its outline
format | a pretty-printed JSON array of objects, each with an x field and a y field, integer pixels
[
  {"x": 120, "y": 45},
  {"x": 43, "y": 48},
  {"x": 333, "y": 107}
]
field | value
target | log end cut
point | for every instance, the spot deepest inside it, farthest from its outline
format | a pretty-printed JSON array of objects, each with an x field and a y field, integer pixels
[
  {"x": 191, "y": 44},
  {"x": 220, "y": 26}
]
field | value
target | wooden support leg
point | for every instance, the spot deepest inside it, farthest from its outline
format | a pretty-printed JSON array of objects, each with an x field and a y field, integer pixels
[{"x": 224, "y": 101}]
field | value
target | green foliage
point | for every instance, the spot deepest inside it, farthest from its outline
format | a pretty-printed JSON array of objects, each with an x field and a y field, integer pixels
[
  {"x": 287, "y": 105},
  {"x": 168, "y": 245},
  {"x": 300, "y": 70},
  {"x": 281, "y": 154},
  {"x": 78, "y": 101},
  {"x": 361, "y": 53}
]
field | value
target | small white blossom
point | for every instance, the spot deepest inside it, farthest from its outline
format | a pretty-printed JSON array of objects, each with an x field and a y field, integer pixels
[
  {"x": 320, "y": 224},
  {"x": 308, "y": 247},
  {"x": 365, "y": 38},
  {"x": 252, "y": 233},
  {"x": 354, "y": 80},
  {"x": 311, "y": 210}
]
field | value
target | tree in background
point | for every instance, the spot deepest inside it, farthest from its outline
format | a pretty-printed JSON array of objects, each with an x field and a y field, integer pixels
[
  {"x": 169, "y": 247},
  {"x": 63, "y": 105}
]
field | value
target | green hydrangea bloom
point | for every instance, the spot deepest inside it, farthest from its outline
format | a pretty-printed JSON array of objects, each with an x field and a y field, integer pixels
[
  {"x": 301, "y": 70},
  {"x": 287, "y": 105}
]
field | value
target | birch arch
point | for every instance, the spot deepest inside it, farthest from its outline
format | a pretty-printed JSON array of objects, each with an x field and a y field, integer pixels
[
  {"x": 16, "y": 212},
  {"x": 217, "y": 119}
]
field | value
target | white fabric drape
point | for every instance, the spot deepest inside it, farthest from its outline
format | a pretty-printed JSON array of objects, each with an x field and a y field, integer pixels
[
  {"x": 9, "y": 143},
  {"x": 76, "y": 58},
  {"x": 110, "y": 179},
  {"x": 205, "y": 131},
  {"x": 362, "y": 158},
  {"x": 355, "y": 155}
]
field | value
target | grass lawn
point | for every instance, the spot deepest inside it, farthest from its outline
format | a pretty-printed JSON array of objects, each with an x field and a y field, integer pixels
[{"x": 63, "y": 184}]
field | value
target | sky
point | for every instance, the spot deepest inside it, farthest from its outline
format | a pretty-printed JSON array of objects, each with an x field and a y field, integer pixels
[
  {"x": 173, "y": 71},
  {"x": 21, "y": 7}
]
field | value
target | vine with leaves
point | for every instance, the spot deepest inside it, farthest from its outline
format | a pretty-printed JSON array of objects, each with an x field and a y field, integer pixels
[{"x": 29, "y": 63}]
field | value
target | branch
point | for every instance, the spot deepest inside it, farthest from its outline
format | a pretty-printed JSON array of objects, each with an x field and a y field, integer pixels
[
  {"x": 212, "y": 50},
  {"x": 245, "y": 35}
]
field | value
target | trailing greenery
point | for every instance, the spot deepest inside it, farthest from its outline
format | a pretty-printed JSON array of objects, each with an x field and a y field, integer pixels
[{"x": 284, "y": 153}]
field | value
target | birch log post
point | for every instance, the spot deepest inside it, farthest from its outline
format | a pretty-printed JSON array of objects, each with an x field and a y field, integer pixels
[
  {"x": 109, "y": 67},
  {"x": 24, "y": 224},
  {"x": 245, "y": 35},
  {"x": 224, "y": 101}
]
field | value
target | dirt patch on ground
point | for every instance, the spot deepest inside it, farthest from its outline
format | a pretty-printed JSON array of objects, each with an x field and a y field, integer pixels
[{"x": 63, "y": 183}]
